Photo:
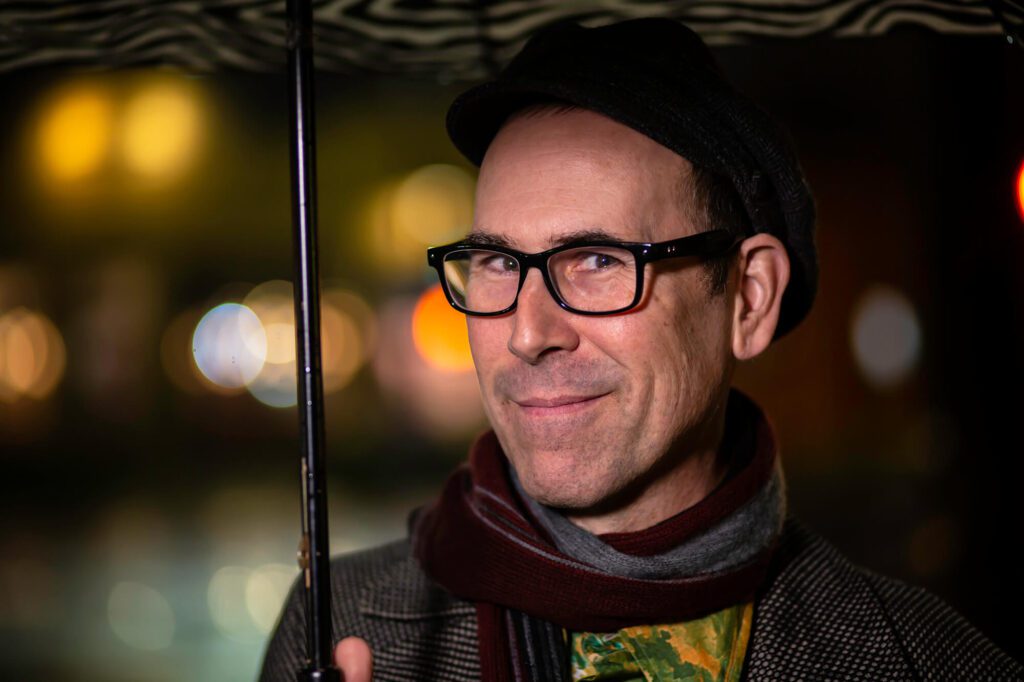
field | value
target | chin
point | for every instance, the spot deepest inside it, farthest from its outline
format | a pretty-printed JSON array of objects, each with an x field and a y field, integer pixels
[{"x": 555, "y": 480}]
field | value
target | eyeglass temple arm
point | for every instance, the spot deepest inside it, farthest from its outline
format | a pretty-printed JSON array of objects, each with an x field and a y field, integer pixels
[{"x": 710, "y": 243}]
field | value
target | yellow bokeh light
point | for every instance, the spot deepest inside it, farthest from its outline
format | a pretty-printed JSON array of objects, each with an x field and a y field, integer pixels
[
  {"x": 393, "y": 253},
  {"x": 434, "y": 204},
  {"x": 32, "y": 355},
  {"x": 74, "y": 134},
  {"x": 273, "y": 304},
  {"x": 280, "y": 342},
  {"x": 161, "y": 129},
  {"x": 348, "y": 329},
  {"x": 439, "y": 333}
]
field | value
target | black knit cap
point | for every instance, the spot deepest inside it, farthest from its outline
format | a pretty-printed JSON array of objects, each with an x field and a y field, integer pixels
[{"x": 659, "y": 78}]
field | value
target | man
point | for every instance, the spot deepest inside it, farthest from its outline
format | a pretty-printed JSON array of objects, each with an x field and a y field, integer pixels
[{"x": 640, "y": 229}]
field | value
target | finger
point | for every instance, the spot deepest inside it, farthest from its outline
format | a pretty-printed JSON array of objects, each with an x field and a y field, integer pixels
[{"x": 353, "y": 657}]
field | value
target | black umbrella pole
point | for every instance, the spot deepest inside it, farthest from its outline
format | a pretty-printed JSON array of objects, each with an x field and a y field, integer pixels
[{"x": 314, "y": 553}]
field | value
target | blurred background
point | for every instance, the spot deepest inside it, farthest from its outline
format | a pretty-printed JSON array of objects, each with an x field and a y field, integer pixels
[{"x": 148, "y": 436}]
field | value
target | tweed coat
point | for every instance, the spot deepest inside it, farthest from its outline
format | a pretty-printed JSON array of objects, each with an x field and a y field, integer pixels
[{"x": 818, "y": 617}]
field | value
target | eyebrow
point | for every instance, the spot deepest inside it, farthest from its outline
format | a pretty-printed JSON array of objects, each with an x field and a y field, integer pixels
[
  {"x": 578, "y": 236},
  {"x": 487, "y": 239},
  {"x": 592, "y": 235}
]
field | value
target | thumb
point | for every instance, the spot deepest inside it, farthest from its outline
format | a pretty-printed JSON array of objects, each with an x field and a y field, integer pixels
[{"x": 353, "y": 657}]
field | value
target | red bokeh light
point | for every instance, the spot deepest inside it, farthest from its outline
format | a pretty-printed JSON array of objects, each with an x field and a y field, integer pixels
[{"x": 1020, "y": 190}]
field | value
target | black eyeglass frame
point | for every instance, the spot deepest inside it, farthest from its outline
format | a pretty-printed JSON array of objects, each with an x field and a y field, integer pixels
[{"x": 703, "y": 244}]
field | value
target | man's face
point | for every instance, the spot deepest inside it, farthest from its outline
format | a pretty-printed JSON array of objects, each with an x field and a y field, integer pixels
[{"x": 590, "y": 409}]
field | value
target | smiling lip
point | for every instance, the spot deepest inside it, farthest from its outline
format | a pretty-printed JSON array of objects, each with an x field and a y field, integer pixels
[{"x": 558, "y": 405}]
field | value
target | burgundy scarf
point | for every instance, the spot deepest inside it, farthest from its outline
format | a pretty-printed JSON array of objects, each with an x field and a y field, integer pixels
[{"x": 479, "y": 541}]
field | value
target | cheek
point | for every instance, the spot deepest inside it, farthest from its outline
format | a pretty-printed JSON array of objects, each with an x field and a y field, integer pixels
[
  {"x": 650, "y": 352},
  {"x": 650, "y": 343},
  {"x": 671, "y": 349},
  {"x": 488, "y": 342}
]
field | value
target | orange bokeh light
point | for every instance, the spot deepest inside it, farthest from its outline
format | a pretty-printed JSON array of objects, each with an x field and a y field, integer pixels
[
  {"x": 32, "y": 355},
  {"x": 439, "y": 333}
]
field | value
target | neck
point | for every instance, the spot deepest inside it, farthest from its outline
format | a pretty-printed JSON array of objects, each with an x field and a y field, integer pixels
[{"x": 690, "y": 475}]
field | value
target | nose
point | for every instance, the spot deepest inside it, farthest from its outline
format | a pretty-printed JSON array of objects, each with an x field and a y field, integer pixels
[{"x": 540, "y": 325}]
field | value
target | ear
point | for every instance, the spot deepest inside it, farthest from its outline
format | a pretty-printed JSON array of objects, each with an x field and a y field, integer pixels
[{"x": 763, "y": 276}]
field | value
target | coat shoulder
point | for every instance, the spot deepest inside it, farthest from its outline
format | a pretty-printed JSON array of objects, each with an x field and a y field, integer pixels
[
  {"x": 939, "y": 641},
  {"x": 822, "y": 617},
  {"x": 416, "y": 630}
]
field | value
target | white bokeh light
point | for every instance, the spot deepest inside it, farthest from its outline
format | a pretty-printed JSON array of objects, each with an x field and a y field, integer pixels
[
  {"x": 886, "y": 336},
  {"x": 226, "y": 598},
  {"x": 230, "y": 345},
  {"x": 265, "y": 592}
]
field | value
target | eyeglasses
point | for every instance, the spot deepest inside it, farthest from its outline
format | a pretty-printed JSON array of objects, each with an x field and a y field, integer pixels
[{"x": 586, "y": 278}]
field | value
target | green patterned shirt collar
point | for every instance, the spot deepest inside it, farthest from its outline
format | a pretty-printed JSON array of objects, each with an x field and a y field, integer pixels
[{"x": 709, "y": 649}]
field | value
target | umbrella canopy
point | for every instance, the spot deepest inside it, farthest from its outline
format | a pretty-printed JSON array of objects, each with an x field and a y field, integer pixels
[{"x": 447, "y": 40}]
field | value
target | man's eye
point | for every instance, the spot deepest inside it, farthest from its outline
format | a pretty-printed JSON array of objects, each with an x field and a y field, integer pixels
[
  {"x": 596, "y": 261},
  {"x": 498, "y": 263}
]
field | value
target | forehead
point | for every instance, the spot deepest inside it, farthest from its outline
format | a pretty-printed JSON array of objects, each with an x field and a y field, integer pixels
[{"x": 552, "y": 173}]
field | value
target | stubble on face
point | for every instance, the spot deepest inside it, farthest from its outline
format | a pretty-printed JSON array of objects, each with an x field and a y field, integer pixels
[
  {"x": 554, "y": 417},
  {"x": 598, "y": 413}
]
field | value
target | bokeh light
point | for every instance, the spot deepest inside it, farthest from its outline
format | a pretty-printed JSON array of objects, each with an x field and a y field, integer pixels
[
  {"x": 346, "y": 321},
  {"x": 432, "y": 205},
  {"x": 140, "y": 616},
  {"x": 439, "y": 401},
  {"x": 439, "y": 332},
  {"x": 75, "y": 132},
  {"x": 226, "y": 598},
  {"x": 32, "y": 355},
  {"x": 176, "y": 354},
  {"x": 886, "y": 336},
  {"x": 348, "y": 327},
  {"x": 230, "y": 345},
  {"x": 1020, "y": 190},
  {"x": 265, "y": 592},
  {"x": 161, "y": 128},
  {"x": 275, "y": 383}
]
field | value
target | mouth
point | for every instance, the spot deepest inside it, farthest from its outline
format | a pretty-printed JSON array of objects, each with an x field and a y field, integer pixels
[{"x": 557, "y": 405}]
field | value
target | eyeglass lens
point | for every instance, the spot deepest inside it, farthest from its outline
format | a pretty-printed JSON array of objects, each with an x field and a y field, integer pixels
[{"x": 589, "y": 278}]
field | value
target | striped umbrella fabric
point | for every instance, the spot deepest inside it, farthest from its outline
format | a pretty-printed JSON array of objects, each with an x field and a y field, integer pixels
[{"x": 447, "y": 40}]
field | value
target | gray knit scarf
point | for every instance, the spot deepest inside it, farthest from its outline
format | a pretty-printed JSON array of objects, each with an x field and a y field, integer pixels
[{"x": 734, "y": 540}]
